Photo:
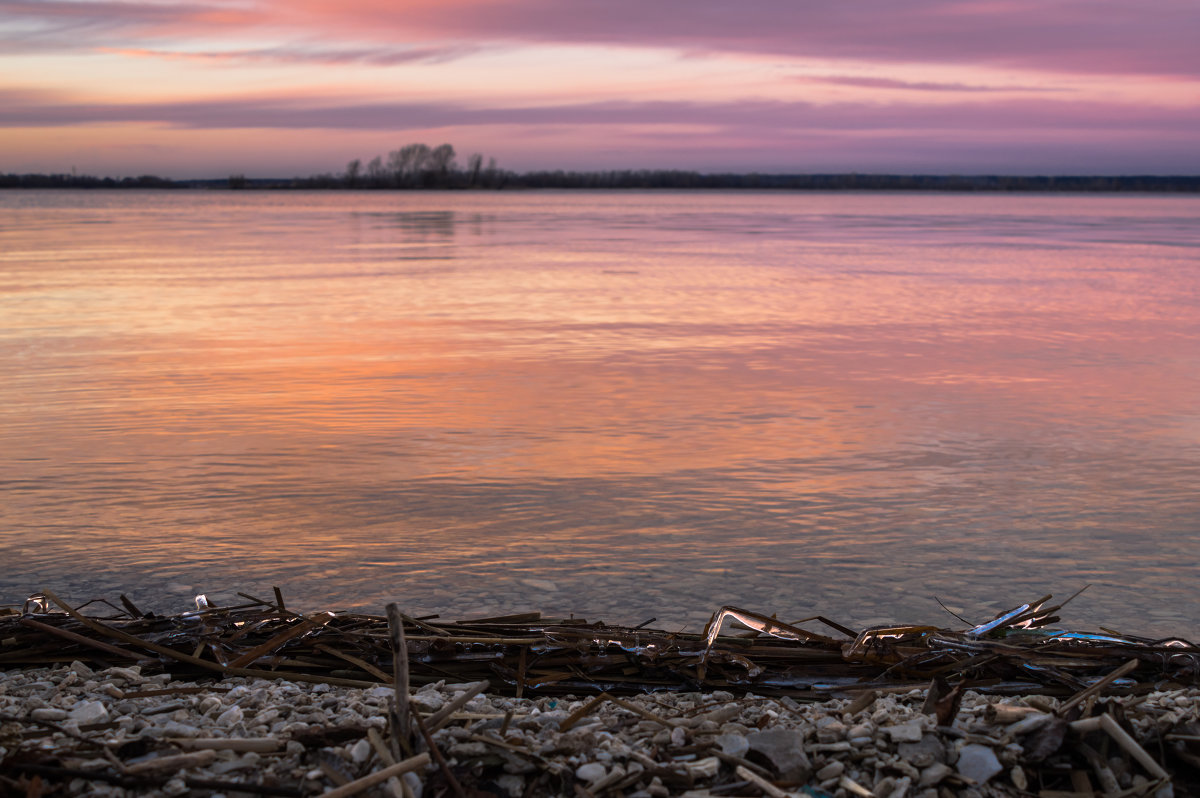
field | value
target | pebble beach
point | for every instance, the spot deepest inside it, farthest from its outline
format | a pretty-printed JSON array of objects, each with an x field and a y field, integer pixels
[{"x": 75, "y": 730}]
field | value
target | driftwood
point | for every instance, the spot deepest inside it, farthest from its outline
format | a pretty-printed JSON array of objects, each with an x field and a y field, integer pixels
[
  {"x": 1065, "y": 738},
  {"x": 1013, "y": 654}
]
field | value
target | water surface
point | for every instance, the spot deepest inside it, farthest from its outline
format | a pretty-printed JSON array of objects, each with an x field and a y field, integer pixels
[{"x": 621, "y": 405}]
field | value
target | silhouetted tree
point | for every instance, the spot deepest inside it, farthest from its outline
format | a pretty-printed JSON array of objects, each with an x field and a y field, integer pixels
[
  {"x": 474, "y": 164},
  {"x": 353, "y": 170},
  {"x": 441, "y": 162},
  {"x": 408, "y": 162},
  {"x": 376, "y": 174}
]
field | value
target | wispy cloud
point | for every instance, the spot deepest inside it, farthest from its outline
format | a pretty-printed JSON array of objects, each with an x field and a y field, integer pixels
[
  {"x": 298, "y": 54},
  {"x": 97, "y": 15},
  {"x": 906, "y": 85},
  {"x": 1095, "y": 37},
  {"x": 1022, "y": 117}
]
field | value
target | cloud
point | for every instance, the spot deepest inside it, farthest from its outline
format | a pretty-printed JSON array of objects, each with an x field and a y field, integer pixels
[
  {"x": 56, "y": 26},
  {"x": 296, "y": 54},
  {"x": 25, "y": 109},
  {"x": 1093, "y": 36},
  {"x": 1097, "y": 36},
  {"x": 904, "y": 85},
  {"x": 76, "y": 15}
]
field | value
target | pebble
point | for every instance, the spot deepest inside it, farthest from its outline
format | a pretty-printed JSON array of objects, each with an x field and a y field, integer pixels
[
  {"x": 977, "y": 763},
  {"x": 230, "y": 717},
  {"x": 923, "y": 753},
  {"x": 591, "y": 772},
  {"x": 733, "y": 743},
  {"x": 933, "y": 775},
  {"x": 896, "y": 754},
  {"x": 905, "y": 733},
  {"x": 50, "y": 714},
  {"x": 86, "y": 712},
  {"x": 784, "y": 749},
  {"x": 361, "y": 751},
  {"x": 831, "y": 771}
]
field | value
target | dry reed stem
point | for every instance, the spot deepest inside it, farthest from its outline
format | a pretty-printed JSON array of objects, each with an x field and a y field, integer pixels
[{"x": 378, "y": 777}]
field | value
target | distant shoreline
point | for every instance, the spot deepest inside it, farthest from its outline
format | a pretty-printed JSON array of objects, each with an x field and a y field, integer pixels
[{"x": 619, "y": 180}]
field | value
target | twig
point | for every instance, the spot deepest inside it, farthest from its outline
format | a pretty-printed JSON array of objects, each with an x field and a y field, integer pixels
[
  {"x": 580, "y": 713},
  {"x": 260, "y": 745},
  {"x": 378, "y": 777},
  {"x": 1096, "y": 688},
  {"x": 1110, "y": 725},
  {"x": 213, "y": 785},
  {"x": 78, "y": 638},
  {"x": 758, "y": 781},
  {"x": 401, "y": 714},
  {"x": 440, "y": 718},
  {"x": 175, "y": 762},
  {"x": 353, "y": 660},
  {"x": 54, "y": 727},
  {"x": 437, "y": 756},
  {"x": 645, "y": 713},
  {"x": 396, "y": 785},
  {"x": 275, "y": 642}
]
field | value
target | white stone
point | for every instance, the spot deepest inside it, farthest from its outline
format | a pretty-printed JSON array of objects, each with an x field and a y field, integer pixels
[
  {"x": 905, "y": 732},
  {"x": 361, "y": 751},
  {"x": 176, "y": 729},
  {"x": 49, "y": 714},
  {"x": 733, "y": 744},
  {"x": 427, "y": 701},
  {"x": 230, "y": 717},
  {"x": 512, "y": 784},
  {"x": 933, "y": 775},
  {"x": 591, "y": 772},
  {"x": 133, "y": 674},
  {"x": 977, "y": 763},
  {"x": 831, "y": 771},
  {"x": 86, "y": 712}
]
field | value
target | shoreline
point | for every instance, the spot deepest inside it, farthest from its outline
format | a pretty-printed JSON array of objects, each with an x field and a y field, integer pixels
[
  {"x": 261, "y": 700},
  {"x": 116, "y": 732}
]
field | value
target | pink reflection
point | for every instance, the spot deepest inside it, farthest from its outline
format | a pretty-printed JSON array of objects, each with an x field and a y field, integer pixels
[{"x": 733, "y": 391}]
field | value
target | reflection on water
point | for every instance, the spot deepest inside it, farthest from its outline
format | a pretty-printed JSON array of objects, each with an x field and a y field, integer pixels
[{"x": 652, "y": 403}]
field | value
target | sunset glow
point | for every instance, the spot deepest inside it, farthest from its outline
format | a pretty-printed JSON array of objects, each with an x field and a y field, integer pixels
[{"x": 273, "y": 88}]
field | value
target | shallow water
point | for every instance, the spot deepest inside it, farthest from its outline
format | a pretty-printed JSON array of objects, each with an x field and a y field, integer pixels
[{"x": 621, "y": 405}]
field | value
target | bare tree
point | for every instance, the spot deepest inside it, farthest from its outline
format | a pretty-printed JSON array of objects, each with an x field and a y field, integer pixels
[
  {"x": 441, "y": 162},
  {"x": 353, "y": 171},
  {"x": 376, "y": 173},
  {"x": 474, "y": 164},
  {"x": 408, "y": 162}
]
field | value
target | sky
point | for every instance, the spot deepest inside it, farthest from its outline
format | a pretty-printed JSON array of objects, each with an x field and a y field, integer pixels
[{"x": 275, "y": 88}]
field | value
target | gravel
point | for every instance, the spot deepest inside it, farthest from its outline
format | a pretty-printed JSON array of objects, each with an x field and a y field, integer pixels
[{"x": 116, "y": 732}]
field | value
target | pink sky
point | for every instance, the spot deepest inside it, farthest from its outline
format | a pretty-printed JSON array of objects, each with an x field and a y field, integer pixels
[{"x": 287, "y": 87}]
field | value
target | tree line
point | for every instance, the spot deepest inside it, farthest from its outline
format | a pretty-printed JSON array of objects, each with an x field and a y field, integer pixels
[
  {"x": 85, "y": 181},
  {"x": 421, "y": 167}
]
